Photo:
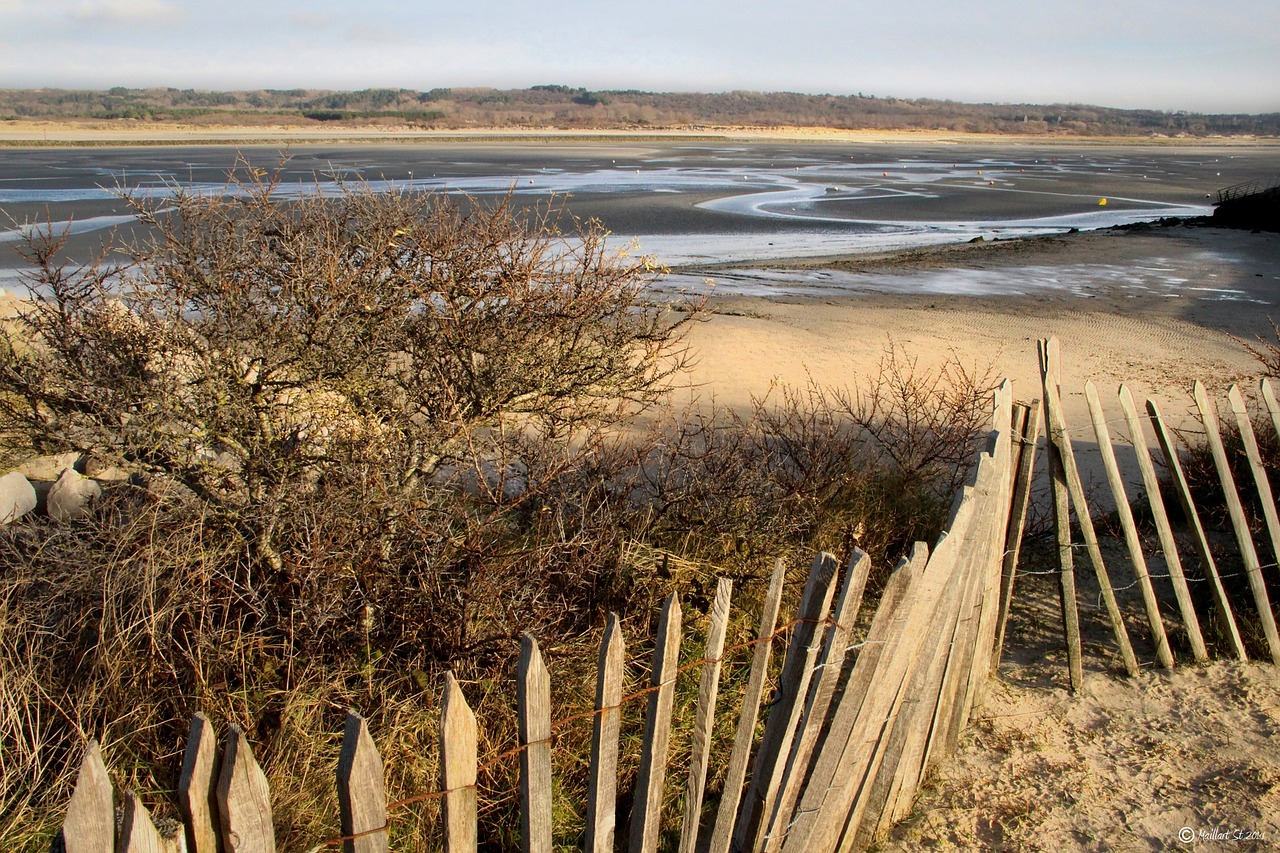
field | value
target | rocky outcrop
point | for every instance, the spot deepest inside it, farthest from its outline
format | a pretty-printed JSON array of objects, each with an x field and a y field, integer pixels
[{"x": 17, "y": 497}]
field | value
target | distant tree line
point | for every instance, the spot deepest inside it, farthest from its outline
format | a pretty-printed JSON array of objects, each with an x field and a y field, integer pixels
[{"x": 561, "y": 106}]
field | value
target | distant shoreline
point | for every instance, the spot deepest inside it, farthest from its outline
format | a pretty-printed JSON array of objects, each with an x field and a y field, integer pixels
[{"x": 96, "y": 133}]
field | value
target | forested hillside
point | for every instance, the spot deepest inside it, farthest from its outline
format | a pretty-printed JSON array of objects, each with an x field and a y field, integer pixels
[{"x": 557, "y": 106}]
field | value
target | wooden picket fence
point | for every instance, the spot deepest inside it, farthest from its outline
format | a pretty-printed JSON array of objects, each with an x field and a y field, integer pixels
[
  {"x": 852, "y": 730},
  {"x": 1069, "y": 494}
]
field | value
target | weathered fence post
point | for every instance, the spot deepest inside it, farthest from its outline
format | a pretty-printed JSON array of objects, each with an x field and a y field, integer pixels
[
  {"x": 1075, "y": 487},
  {"x": 1026, "y": 432},
  {"x": 784, "y": 716},
  {"x": 458, "y": 769},
  {"x": 1265, "y": 497},
  {"x": 1170, "y": 451},
  {"x": 1168, "y": 544},
  {"x": 1051, "y": 376},
  {"x": 730, "y": 799},
  {"x": 198, "y": 787},
  {"x": 647, "y": 811},
  {"x": 1128, "y": 525},
  {"x": 830, "y": 667},
  {"x": 90, "y": 825},
  {"x": 138, "y": 834},
  {"x": 362, "y": 795},
  {"x": 603, "y": 784},
  {"x": 708, "y": 688},
  {"x": 1239, "y": 522},
  {"x": 533, "y": 702},
  {"x": 244, "y": 799}
]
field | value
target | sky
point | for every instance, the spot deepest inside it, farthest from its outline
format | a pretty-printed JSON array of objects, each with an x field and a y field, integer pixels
[{"x": 1191, "y": 55}]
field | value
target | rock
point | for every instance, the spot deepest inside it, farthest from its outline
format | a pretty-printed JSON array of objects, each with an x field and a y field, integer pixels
[
  {"x": 50, "y": 467},
  {"x": 17, "y": 497},
  {"x": 102, "y": 469},
  {"x": 72, "y": 496}
]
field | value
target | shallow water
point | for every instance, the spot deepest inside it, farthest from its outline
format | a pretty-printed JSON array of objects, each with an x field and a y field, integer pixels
[{"x": 681, "y": 203}]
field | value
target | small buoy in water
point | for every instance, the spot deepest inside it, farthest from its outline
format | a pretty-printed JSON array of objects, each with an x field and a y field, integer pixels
[
  {"x": 884, "y": 174},
  {"x": 1102, "y": 201}
]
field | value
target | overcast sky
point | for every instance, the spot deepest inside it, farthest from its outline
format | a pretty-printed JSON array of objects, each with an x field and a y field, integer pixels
[{"x": 1163, "y": 54}]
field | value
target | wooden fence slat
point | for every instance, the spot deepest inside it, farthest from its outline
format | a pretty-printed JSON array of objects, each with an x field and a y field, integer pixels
[
  {"x": 138, "y": 834},
  {"x": 1050, "y": 375},
  {"x": 1168, "y": 544},
  {"x": 784, "y": 716},
  {"x": 970, "y": 571},
  {"x": 992, "y": 556},
  {"x": 855, "y": 749},
  {"x": 1260, "y": 481},
  {"x": 533, "y": 702},
  {"x": 1075, "y": 488},
  {"x": 198, "y": 787},
  {"x": 603, "y": 785},
  {"x": 898, "y": 779},
  {"x": 647, "y": 812},
  {"x": 704, "y": 720},
  {"x": 1269, "y": 398},
  {"x": 90, "y": 825},
  {"x": 886, "y": 628},
  {"x": 362, "y": 795},
  {"x": 244, "y": 799},
  {"x": 1239, "y": 522},
  {"x": 1027, "y": 434},
  {"x": 948, "y": 557},
  {"x": 1170, "y": 451},
  {"x": 736, "y": 774},
  {"x": 830, "y": 667},
  {"x": 1128, "y": 525},
  {"x": 458, "y": 768}
]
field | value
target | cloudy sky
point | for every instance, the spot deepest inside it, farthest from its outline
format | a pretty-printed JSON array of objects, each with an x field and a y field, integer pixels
[{"x": 1162, "y": 54}]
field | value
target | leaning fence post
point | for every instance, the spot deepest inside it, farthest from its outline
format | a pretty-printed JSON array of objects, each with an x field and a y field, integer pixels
[
  {"x": 90, "y": 825},
  {"x": 244, "y": 799},
  {"x": 1168, "y": 544},
  {"x": 1226, "y": 618},
  {"x": 1255, "y": 466},
  {"x": 533, "y": 703},
  {"x": 1051, "y": 376},
  {"x": 1026, "y": 433},
  {"x": 793, "y": 687},
  {"x": 708, "y": 688},
  {"x": 1244, "y": 539},
  {"x": 1130, "y": 527},
  {"x": 362, "y": 795},
  {"x": 647, "y": 810},
  {"x": 727, "y": 814},
  {"x": 458, "y": 767},
  {"x": 1062, "y": 439}
]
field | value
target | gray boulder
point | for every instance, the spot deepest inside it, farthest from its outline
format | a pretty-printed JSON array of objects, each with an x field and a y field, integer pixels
[
  {"x": 17, "y": 497},
  {"x": 50, "y": 467},
  {"x": 72, "y": 497}
]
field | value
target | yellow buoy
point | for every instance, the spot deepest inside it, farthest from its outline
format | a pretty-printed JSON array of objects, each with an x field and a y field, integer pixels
[{"x": 1102, "y": 201}]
